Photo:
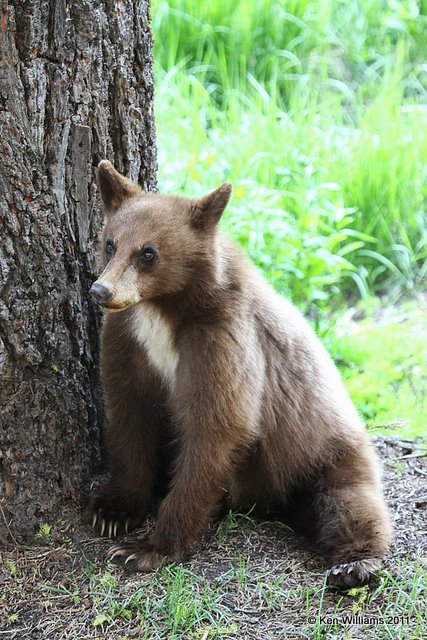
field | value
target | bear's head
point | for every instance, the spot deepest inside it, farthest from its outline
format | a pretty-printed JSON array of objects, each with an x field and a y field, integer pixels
[{"x": 153, "y": 245}]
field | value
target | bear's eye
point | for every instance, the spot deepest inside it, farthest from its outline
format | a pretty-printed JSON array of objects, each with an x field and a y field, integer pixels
[
  {"x": 109, "y": 248},
  {"x": 148, "y": 255}
]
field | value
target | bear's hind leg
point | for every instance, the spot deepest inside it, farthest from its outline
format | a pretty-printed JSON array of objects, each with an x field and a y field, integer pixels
[{"x": 352, "y": 520}]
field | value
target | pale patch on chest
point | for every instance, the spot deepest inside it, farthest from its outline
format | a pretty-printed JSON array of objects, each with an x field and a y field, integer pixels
[{"x": 153, "y": 332}]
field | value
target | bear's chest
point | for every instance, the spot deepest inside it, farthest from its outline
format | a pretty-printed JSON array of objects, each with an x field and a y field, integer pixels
[{"x": 154, "y": 333}]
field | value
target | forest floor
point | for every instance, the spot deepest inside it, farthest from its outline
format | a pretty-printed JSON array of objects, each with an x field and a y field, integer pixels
[{"x": 251, "y": 579}]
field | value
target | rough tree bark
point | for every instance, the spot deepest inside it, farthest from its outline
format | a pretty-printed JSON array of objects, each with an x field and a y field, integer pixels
[{"x": 76, "y": 86}]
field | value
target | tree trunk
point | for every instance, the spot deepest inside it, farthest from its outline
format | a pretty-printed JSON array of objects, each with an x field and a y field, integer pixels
[{"x": 76, "y": 86}]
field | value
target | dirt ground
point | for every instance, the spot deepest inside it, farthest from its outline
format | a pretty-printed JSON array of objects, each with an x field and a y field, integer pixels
[{"x": 250, "y": 579}]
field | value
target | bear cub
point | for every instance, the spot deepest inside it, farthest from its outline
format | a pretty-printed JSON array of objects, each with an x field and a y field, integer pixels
[{"x": 217, "y": 390}]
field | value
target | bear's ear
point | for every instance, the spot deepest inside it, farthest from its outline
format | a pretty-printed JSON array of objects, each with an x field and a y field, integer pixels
[
  {"x": 207, "y": 211},
  {"x": 114, "y": 187}
]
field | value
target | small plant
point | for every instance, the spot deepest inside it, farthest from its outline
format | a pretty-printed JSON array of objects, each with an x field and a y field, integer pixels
[
  {"x": 360, "y": 595},
  {"x": 101, "y": 619},
  {"x": 241, "y": 571},
  {"x": 231, "y": 522},
  {"x": 43, "y": 533},
  {"x": 12, "y": 568},
  {"x": 102, "y": 584}
]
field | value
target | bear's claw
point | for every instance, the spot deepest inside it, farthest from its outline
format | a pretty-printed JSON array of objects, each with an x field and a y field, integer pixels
[
  {"x": 116, "y": 551},
  {"x": 353, "y": 574},
  {"x": 133, "y": 556},
  {"x": 110, "y": 522},
  {"x": 140, "y": 554}
]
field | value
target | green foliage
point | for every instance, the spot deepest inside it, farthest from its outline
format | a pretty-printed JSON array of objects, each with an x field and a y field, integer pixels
[
  {"x": 174, "y": 604},
  {"x": 393, "y": 606},
  {"x": 12, "y": 568},
  {"x": 316, "y": 112},
  {"x": 231, "y": 522},
  {"x": 336, "y": 46},
  {"x": 385, "y": 370},
  {"x": 43, "y": 533},
  {"x": 177, "y": 603}
]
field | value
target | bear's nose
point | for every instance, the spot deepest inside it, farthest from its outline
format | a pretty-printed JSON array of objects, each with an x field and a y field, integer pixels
[{"x": 99, "y": 293}]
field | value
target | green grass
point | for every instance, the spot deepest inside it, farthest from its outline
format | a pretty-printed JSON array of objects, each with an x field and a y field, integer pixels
[
  {"x": 384, "y": 366},
  {"x": 321, "y": 219},
  {"x": 339, "y": 46},
  {"x": 304, "y": 222},
  {"x": 392, "y": 610},
  {"x": 316, "y": 112},
  {"x": 178, "y": 603},
  {"x": 175, "y": 604}
]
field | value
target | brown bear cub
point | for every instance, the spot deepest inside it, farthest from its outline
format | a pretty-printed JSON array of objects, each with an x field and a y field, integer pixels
[{"x": 217, "y": 388}]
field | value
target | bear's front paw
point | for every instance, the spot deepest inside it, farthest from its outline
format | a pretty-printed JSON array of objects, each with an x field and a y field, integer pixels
[
  {"x": 108, "y": 521},
  {"x": 353, "y": 574},
  {"x": 141, "y": 555}
]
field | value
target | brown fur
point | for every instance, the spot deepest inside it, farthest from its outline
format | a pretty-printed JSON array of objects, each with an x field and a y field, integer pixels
[{"x": 215, "y": 381}]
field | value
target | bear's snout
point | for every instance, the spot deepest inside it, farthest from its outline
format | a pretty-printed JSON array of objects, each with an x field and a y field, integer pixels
[{"x": 100, "y": 293}]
